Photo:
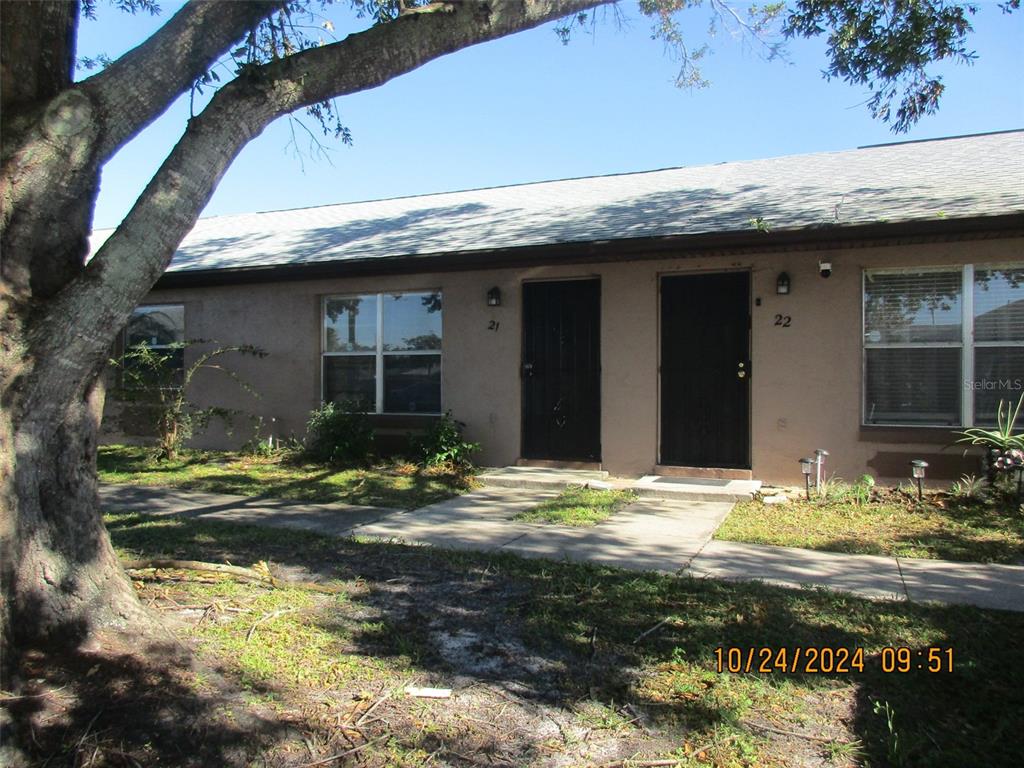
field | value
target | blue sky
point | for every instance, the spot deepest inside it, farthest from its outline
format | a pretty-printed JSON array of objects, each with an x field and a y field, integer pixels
[{"x": 527, "y": 108}]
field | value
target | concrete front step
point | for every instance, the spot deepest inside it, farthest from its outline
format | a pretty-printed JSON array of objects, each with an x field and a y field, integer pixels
[
  {"x": 541, "y": 478},
  {"x": 696, "y": 488},
  {"x": 649, "y": 486}
]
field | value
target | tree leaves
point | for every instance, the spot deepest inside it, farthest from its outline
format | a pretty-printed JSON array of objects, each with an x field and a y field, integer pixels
[
  {"x": 888, "y": 46},
  {"x": 152, "y": 7}
]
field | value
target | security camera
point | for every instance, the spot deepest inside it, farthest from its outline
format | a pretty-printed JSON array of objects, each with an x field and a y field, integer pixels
[{"x": 825, "y": 268}]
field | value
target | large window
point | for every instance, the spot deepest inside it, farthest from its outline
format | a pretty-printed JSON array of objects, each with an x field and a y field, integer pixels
[
  {"x": 161, "y": 328},
  {"x": 383, "y": 351},
  {"x": 942, "y": 347}
]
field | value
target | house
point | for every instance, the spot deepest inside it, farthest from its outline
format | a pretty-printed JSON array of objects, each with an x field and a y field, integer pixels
[{"x": 724, "y": 319}]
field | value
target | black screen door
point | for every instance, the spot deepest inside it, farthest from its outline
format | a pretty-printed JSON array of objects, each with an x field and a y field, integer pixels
[
  {"x": 562, "y": 370},
  {"x": 705, "y": 370}
]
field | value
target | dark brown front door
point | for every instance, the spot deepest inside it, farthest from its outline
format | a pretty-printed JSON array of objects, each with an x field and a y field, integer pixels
[
  {"x": 705, "y": 370},
  {"x": 562, "y": 370}
]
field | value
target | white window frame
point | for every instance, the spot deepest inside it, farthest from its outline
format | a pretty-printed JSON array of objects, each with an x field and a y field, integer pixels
[
  {"x": 124, "y": 340},
  {"x": 379, "y": 353},
  {"x": 967, "y": 344},
  {"x": 125, "y": 347}
]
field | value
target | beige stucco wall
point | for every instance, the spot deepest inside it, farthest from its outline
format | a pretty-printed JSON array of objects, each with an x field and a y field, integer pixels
[{"x": 805, "y": 383}]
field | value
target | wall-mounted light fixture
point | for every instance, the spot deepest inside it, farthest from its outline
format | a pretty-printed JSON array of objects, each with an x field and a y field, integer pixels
[
  {"x": 494, "y": 297},
  {"x": 782, "y": 284},
  {"x": 917, "y": 467}
]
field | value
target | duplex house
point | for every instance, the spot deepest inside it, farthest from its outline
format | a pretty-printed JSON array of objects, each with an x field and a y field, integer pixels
[{"x": 721, "y": 320}]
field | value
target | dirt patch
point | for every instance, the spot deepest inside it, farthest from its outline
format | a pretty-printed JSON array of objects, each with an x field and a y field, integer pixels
[
  {"x": 549, "y": 665},
  {"x": 181, "y": 702}
]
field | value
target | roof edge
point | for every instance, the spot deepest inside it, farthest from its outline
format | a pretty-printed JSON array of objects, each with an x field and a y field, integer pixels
[
  {"x": 629, "y": 249},
  {"x": 941, "y": 138}
]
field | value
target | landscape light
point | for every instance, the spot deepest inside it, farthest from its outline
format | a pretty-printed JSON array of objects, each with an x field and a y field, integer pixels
[
  {"x": 805, "y": 467},
  {"x": 819, "y": 458},
  {"x": 917, "y": 467}
]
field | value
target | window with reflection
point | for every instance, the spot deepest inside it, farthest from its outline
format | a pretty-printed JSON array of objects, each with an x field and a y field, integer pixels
[
  {"x": 383, "y": 351},
  {"x": 161, "y": 329},
  {"x": 998, "y": 340},
  {"x": 942, "y": 347}
]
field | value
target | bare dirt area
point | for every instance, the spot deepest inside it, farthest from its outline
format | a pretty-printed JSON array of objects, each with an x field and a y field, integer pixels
[{"x": 548, "y": 665}]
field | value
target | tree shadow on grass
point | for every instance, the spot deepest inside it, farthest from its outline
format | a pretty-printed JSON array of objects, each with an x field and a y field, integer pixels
[
  {"x": 957, "y": 546},
  {"x": 562, "y": 635},
  {"x": 124, "y": 705},
  {"x": 374, "y": 487}
]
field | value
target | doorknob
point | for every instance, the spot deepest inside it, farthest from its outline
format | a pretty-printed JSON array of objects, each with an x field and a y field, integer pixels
[
  {"x": 741, "y": 372},
  {"x": 527, "y": 369}
]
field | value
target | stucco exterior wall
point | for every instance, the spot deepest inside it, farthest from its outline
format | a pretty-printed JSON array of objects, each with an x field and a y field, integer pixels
[{"x": 805, "y": 377}]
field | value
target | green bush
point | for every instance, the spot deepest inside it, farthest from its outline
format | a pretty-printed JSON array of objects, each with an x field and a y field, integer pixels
[
  {"x": 443, "y": 445},
  {"x": 151, "y": 378},
  {"x": 861, "y": 490},
  {"x": 339, "y": 433}
]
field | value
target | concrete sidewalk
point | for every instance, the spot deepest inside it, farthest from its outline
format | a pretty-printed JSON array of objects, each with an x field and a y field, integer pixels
[{"x": 650, "y": 534}]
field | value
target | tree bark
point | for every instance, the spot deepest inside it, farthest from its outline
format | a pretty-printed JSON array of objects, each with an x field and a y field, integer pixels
[
  {"x": 59, "y": 317},
  {"x": 37, "y": 37}
]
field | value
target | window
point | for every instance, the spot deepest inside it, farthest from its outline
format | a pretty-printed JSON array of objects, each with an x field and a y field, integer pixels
[
  {"x": 384, "y": 351},
  {"x": 942, "y": 346},
  {"x": 160, "y": 327},
  {"x": 998, "y": 340}
]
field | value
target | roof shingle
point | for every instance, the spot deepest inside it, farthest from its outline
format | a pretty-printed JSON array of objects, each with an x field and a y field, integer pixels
[{"x": 958, "y": 177}]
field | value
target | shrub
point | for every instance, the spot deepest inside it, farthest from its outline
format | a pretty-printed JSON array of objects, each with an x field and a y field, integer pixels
[
  {"x": 861, "y": 490},
  {"x": 339, "y": 433},
  {"x": 269, "y": 446},
  {"x": 833, "y": 488},
  {"x": 443, "y": 445},
  {"x": 151, "y": 378},
  {"x": 968, "y": 487},
  {"x": 1004, "y": 446}
]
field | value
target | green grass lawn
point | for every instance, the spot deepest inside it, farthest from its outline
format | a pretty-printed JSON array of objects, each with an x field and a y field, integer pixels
[
  {"x": 554, "y": 662},
  {"x": 578, "y": 506},
  {"x": 398, "y": 485},
  {"x": 892, "y": 523}
]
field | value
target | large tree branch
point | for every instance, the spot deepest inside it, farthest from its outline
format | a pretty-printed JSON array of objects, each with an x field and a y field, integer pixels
[
  {"x": 52, "y": 151},
  {"x": 37, "y": 51},
  {"x": 139, "y": 86},
  {"x": 80, "y": 318}
]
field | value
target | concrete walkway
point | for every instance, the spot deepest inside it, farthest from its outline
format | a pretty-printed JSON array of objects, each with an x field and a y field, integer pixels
[{"x": 650, "y": 534}]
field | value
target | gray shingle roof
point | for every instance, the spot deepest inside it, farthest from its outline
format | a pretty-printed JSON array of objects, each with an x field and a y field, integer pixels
[{"x": 916, "y": 181}]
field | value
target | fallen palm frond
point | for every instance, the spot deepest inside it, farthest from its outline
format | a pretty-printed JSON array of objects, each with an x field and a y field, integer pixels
[{"x": 259, "y": 573}]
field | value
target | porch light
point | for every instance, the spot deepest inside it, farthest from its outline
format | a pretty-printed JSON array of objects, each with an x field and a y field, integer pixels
[
  {"x": 805, "y": 468},
  {"x": 782, "y": 284},
  {"x": 917, "y": 467},
  {"x": 494, "y": 297}
]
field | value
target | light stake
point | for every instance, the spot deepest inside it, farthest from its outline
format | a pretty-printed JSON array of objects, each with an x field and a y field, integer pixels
[
  {"x": 917, "y": 467},
  {"x": 819, "y": 475},
  {"x": 805, "y": 468}
]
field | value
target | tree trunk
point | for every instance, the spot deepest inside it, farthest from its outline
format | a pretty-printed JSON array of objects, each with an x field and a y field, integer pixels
[
  {"x": 59, "y": 316},
  {"x": 60, "y": 574}
]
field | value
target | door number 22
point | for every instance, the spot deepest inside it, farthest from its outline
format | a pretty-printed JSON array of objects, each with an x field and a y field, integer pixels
[{"x": 783, "y": 320}]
